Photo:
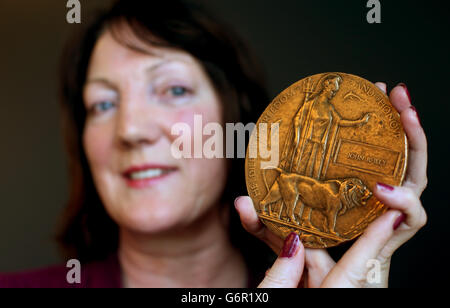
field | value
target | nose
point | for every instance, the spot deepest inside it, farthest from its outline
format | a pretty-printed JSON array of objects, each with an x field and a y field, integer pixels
[{"x": 137, "y": 126}]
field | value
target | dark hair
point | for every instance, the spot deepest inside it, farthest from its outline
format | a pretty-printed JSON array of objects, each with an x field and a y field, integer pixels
[{"x": 87, "y": 232}]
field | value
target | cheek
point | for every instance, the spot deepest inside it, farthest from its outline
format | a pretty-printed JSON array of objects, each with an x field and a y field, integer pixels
[
  {"x": 208, "y": 114},
  {"x": 208, "y": 176},
  {"x": 186, "y": 117},
  {"x": 97, "y": 141}
]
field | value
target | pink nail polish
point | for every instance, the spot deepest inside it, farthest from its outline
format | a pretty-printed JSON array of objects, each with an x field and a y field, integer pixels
[
  {"x": 399, "y": 221},
  {"x": 291, "y": 244},
  {"x": 417, "y": 114},
  {"x": 385, "y": 187},
  {"x": 406, "y": 90}
]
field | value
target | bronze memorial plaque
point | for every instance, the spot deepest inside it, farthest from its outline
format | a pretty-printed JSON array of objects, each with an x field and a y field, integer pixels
[{"x": 337, "y": 135}]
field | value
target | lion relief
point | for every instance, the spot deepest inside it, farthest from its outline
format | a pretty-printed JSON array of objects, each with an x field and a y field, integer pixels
[{"x": 332, "y": 198}]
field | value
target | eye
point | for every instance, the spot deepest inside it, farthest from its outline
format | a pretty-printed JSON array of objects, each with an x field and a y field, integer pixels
[
  {"x": 178, "y": 91},
  {"x": 175, "y": 94},
  {"x": 102, "y": 107}
]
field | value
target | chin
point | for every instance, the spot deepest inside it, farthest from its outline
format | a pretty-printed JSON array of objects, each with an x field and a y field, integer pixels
[{"x": 150, "y": 219}]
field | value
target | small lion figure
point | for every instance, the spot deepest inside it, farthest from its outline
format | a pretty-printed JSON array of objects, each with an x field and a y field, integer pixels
[{"x": 332, "y": 198}]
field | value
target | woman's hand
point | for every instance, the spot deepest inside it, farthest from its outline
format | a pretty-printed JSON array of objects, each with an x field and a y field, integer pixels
[{"x": 379, "y": 241}]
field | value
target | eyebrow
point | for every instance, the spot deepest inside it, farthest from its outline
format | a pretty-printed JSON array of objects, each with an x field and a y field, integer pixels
[
  {"x": 158, "y": 65},
  {"x": 111, "y": 85},
  {"x": 103, "y": 81}
]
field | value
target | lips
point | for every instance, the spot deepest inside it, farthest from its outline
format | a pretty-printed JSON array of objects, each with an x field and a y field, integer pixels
[{"x": 146, "y": 175}]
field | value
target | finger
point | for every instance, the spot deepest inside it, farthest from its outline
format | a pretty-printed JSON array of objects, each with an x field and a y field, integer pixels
[
  {"x": 416, "y": 175},
  {"x": 249, "y": 218},
  {"x": 252, "y": 224},
  {"x": 404, "y": 205},
  {"x": 319, "y": 264},
  {"x": 414, "y": 218},
  {"x": 399, "y": 98},
  {"x": 404, "y": 200},
  {"x": 352, "y": 269},
  {"x": 287, "y": 270},
  {"x": 383, "y": 236},
  {"x": 382, "y": 86}
]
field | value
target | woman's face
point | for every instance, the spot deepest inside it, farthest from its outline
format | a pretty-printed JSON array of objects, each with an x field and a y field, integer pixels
[{"x": 133, "y": 100}]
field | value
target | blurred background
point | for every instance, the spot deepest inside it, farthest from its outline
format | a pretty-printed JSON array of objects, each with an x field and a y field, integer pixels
[{"x": 293, "y": 38}]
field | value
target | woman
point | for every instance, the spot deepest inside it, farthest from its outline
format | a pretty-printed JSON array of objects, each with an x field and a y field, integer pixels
[{"x": 138, "y": 217}]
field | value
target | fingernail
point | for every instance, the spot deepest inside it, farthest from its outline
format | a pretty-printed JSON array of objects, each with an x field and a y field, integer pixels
[
  {"x": 406, "y": 90},
  {"x": 417, "y": 114},
  {"x": 290, "y": 247},
  {"x": 385, "y": 187},
  {"x": 399, "y": 221},
  {"x": 235, "y": 200}
]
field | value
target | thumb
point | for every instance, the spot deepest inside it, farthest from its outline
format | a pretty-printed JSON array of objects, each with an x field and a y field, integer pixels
[{"x": 287, "y": 270}]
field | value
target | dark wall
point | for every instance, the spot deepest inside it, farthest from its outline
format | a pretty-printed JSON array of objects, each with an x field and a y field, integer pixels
[{"x": 293, "y": 38}]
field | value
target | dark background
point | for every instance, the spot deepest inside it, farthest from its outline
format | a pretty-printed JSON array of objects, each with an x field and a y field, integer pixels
[{"x": 293, "y": 38}]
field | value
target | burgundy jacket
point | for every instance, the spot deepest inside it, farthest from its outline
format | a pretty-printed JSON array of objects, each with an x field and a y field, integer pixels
[{"x": 100, "y": 274}]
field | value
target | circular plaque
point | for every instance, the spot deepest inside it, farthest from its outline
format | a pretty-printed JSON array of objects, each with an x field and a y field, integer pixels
[{"x": 317, "y": 152}]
